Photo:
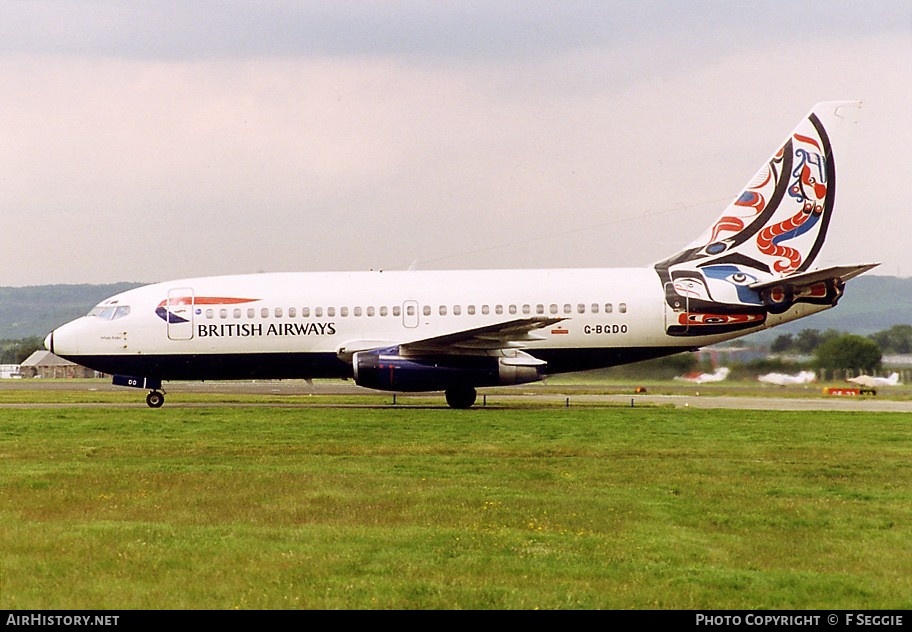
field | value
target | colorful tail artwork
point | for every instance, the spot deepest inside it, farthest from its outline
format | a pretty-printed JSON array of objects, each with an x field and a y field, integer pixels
[{"x": 758, "y": 258}]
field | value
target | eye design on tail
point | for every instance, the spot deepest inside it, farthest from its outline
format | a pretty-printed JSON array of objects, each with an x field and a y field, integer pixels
[{"x": 775, "y": 227}]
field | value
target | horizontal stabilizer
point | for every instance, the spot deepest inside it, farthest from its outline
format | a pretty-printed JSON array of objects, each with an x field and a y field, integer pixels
[{"x": 804, "y": 279}]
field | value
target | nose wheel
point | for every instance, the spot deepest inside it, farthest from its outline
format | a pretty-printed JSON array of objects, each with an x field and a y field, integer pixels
[{"x": 155, "y": 399}]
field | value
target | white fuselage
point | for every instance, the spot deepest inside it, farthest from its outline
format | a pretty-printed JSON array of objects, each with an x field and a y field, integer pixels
[
  {"x": 753, "y": 268},
  {"x": 310, "y": 323}
]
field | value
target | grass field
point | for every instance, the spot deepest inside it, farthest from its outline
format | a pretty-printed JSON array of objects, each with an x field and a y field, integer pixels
[{"x": 274, "y": 507}]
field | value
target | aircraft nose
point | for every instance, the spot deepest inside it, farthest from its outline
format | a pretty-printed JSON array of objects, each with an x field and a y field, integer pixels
[{"x": 64, "y": 340}]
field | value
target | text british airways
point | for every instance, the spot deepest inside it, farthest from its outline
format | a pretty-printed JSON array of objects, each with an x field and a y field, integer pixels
[{"x": 273, "y": 329}]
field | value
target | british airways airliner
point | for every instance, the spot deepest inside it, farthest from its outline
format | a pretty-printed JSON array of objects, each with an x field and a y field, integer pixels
[{"x": 455, "y": 331}]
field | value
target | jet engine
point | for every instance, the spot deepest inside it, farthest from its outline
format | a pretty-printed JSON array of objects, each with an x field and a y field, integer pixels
[{"x": 387, "y": 370}]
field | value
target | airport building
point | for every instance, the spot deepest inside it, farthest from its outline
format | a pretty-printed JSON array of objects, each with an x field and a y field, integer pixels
[{"x": 47, "y": 365}]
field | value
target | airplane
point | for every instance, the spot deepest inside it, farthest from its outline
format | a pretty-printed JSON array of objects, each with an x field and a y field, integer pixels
[
  {"x": 784, "y": 379},
  {"x": 871, "y": 381},
  {"x": 755, "y": 267},
  {"x": 702, "y": 378}
]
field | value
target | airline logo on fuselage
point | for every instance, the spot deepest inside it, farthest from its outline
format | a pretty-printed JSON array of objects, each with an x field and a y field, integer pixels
[{"x": 176, "y": 309}]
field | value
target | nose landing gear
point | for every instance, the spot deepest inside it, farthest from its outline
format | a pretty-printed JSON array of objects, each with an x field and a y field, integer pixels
[
  {"x": 155, "y": 399},
  {"x": 156, "y": 396}
]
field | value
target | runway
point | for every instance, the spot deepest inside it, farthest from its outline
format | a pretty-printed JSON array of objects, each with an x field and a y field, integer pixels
[{"x": 896, "y": 399}]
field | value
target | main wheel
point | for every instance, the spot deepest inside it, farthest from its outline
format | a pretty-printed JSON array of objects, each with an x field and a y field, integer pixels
[
  {"x": 155, "y": 399},
  {"x": 460, "y": 396}
]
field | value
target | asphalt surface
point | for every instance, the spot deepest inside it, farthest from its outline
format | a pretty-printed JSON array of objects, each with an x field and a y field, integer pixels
[{"x": 893, "y": 399}]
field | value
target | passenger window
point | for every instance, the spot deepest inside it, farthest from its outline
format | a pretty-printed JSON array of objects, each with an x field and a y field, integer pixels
[
  {"x": 609, "y": 308},
  {"x": 581, "y": 309},
  {"x": 237, "y": 312},
  {"x": 622, "y": 307},
  {"x": 595, "y": 308},
  {"x": 512, "y": 309},
  {"x": 223, "y": 313},
  {"x": 264, "y": 313},
  {"x": 568, "y": 308},
  {"x": 305, "y": 312},
  {"x": 357, "y": 311},
  {"x": 498, "y": 309},
  {"x": 278, "y": 312},
  {"x": 457, "y": 310},
  {"x": 318, "y": 312},
  {"x": 527, "y": 309},
  {"x": 443, "y": 310},
  {"x": 410, "y": 310},
  {"x": 471, "y": 310},
  {"x": 426, "y": 309},
  {"x": 331, "y": 311},
  {"x": 292, "y": 312},
  {"x": 485, "y": 310},
  {"x": 343, "y": 311},
  {"x": 539, "y": 309},
  {"x": 210, "y": 313},
  {"x": 251, "y": 312}
]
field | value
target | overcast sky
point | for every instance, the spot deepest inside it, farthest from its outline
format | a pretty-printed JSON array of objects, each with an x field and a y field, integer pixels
[{"x": 158, "y": 140}]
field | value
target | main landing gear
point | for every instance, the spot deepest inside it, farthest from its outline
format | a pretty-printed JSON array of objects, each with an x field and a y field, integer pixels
[
  {"x": 460, "y": 396},
  {"x": 155, "y": 399}
]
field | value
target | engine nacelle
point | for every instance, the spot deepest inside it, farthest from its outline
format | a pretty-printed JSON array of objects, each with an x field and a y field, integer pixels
[{"x": 387, "y": 370}]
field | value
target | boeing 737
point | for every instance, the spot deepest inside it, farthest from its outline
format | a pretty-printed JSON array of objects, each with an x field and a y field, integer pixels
[{"x": 756, "y": 267}]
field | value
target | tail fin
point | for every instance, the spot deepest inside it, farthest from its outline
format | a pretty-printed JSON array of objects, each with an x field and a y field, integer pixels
[{"x": 739, "y": 270}]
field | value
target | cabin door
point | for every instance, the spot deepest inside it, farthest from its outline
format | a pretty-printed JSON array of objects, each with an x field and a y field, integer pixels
[{"x": 179, "y": 310}]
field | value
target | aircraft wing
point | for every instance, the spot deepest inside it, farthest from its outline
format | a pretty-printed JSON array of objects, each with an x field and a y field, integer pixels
[{"x": 512, "y": 334}]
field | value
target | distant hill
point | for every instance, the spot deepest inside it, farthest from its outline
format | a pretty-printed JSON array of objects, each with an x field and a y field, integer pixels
[
  {"x": 871, "y": 303},
  {"x": 36, "y": 310}
]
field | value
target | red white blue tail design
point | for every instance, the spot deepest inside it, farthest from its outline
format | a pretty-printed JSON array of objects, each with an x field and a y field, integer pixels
[{"x": 757, "y": 258}]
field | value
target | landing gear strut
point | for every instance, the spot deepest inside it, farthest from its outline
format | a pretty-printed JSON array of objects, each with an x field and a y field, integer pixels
[
  {"x": 460, "y": 396},
  {"x": 155, "y": 399}
]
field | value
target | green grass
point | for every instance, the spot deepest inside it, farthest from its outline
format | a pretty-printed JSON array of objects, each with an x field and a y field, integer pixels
[{"x": 427, "y": 508}]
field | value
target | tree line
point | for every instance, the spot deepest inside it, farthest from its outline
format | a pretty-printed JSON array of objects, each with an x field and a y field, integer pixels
[
  {"x": 16, "y": 351},
  {"x": 837, "y": 350}
]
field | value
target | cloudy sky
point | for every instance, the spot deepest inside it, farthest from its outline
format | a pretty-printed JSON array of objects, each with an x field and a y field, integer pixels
[{"x": 145, "y": 141}]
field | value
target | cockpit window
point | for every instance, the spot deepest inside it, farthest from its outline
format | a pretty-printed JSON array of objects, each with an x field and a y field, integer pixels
[{"x": 109, "y": 312}]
